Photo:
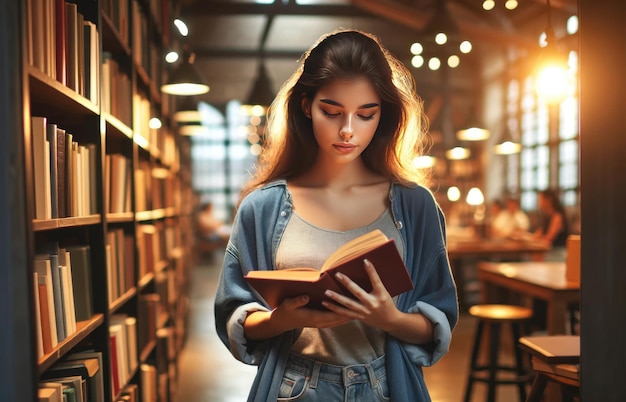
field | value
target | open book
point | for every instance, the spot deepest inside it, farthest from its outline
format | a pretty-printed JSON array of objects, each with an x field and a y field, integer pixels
[{"x": 276, "y": 285}]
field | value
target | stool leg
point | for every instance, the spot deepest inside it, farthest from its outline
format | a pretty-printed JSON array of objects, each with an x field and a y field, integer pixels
[
  {"x": 473, "y": 361},
  {"x": 519, "y": 363},
  {"x": 494, "y": 346},
  {"x": 536, "y": 391}
]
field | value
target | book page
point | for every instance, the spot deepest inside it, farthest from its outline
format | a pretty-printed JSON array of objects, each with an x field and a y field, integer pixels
[
  {"x": 296, "y": 274},
  {"x": 354, "y": 248}
]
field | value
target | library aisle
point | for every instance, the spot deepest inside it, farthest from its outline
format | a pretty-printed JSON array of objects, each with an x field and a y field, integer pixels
[{"x": 208, "y": 373}]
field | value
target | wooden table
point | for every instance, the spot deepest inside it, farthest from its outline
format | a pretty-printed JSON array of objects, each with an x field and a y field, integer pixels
[
  {"x": 464, "y": 253},
  {"x": 542, "y": 280},
  {"x": 501, "y": 248},
  {"x": 556, "y": 362}
]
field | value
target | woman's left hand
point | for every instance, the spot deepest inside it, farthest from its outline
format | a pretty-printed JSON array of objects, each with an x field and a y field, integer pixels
[{"x": 375, "y": 308}]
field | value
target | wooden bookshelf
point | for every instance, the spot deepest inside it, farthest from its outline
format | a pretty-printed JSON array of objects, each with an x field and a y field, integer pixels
[{"x": 89, "y": 215}]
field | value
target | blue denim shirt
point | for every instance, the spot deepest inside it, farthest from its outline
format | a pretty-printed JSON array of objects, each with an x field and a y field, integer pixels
[{"x": 257, "y": 229}]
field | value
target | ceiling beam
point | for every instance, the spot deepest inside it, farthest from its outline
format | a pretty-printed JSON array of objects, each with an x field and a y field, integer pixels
[
  {"x": 416, "y": 19},
  {"x": 202, "y": 52},
  {"x": 205, "y": 8}
]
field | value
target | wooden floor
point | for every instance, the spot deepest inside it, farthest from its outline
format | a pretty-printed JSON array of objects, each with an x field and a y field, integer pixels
[{"x": 208, "y": 373}]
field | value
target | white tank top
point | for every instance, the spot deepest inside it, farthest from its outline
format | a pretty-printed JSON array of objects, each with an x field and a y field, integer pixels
[{"x": 306, "y": 245}]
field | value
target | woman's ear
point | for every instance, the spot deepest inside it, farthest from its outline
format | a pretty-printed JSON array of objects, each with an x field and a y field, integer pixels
[{"x": 306, "y": 106}]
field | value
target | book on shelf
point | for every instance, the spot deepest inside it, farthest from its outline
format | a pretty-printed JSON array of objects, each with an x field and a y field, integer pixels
[
  {"x": 149, "y": 382},
  {"x": 113, "y": 356},
  {"x": 130, "y": 326},
  {"x": 50, "y": 253},
  {"x": 80, "y": 260},
  {"x": 59, "y": 34},
  {"x": 276, "y": 285},
  {"x": 74, "y": 386},
  {"x": 92, "y": 189},
  {"x": 69, "y": 316},
  {"x": 60, "y": 156},
  {"x": 65, "y": 268},
  {"x": 71, "y": 45},
  {"x": 130, "y": 393},
  {"x": 92, "y": 61},
  {"x": 46, "y": 303},
  {"x": 88, "y": 367},
  {"x": 38, "y": 324},
  {"x": 41, "y": 170},
  {"x": 49, "y": 391},
  {"x": 51, "y": 136}
]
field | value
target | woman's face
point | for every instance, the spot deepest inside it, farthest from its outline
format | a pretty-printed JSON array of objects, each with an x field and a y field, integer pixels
[{"x": 345, "y": 115}]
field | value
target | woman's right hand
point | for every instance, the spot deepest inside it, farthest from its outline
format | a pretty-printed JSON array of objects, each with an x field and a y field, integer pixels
[
  {"x": 290, "y": 314},
  {"x": 294, "y": 312}
]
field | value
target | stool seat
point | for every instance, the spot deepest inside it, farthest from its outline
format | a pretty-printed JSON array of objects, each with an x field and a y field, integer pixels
[
  {"x": 493, "y": 317},
  {"x": 500, "y": 312}
]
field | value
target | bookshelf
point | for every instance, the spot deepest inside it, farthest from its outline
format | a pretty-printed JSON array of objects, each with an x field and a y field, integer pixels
[{"x": 96, "y": 256}]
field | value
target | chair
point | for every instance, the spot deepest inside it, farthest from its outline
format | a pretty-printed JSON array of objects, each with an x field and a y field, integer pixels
[
  {"x": 556, "y": 359},
  {"x": 493, "y": 373}
]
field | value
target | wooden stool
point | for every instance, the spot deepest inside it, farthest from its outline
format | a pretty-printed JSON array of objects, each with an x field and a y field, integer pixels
[{"x": 496, "y": 315}]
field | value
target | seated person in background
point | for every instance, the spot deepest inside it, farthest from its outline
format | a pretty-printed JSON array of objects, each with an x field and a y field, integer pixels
[
  {"x": 210, "y": 228},
  {"x": 553, "y": 225},
  {"x": 511, "y": 221}
]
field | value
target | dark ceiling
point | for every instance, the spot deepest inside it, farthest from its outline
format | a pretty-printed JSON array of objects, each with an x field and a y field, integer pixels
[{"x": 231, "y": 37}]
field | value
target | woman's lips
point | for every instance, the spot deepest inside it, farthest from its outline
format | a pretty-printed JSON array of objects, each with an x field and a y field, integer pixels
[{"x": 344, "y": 148}]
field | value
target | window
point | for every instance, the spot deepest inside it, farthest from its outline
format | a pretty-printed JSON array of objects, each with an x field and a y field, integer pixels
[
  {"x": 549, "y": 136},
  {"x": 221, "y": 160}
]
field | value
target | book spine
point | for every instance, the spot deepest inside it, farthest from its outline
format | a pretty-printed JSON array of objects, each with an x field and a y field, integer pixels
[
  {"x": 60, "y": 155},
  {"x": 60, "y": 57},
  {"x": 40, "y": 170},
  {"x": 59, "y": 308},
  {"x": 38, "y": 318},
  {"x": 81, "y": 281},
  {"x": 51, "y": 135}
]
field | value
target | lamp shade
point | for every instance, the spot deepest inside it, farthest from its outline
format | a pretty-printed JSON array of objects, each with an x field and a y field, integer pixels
[
  {"x": 507, "y": 145},
  {"x": 261, "y": 95},
  {"x": 187, "y": 111},
  {"x": 185, "y": 80},
  {"x": 474, "y": 130}
]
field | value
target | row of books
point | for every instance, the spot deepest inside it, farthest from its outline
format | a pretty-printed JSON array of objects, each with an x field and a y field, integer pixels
[
  {"x": 120, "y": 263},
  {"x": 116, "y": 89},
  {"x": 117, "y": 183},
  {"x": 77, "y": 378},
  {"x": 64, "y": 172},
  {"x": 124, "y": 353},
  {"x": 64, "y": 45},
  {"x": 154, "y": 188},
  {"x": 117, "y": 12},
  {"x": 63, "y": 293}
]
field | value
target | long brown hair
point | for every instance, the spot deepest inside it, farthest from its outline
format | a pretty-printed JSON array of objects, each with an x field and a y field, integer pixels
[{"x": 290, "y": 147}]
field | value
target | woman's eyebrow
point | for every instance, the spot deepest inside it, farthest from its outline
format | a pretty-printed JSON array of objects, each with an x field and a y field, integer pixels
[{"x": 335, "y": 103}]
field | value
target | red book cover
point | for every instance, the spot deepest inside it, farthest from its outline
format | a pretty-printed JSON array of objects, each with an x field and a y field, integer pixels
[
  {"x": 115, "y": 379},
  {"x": 276, "y": 285},
  {"x": 45, "y": 318}
]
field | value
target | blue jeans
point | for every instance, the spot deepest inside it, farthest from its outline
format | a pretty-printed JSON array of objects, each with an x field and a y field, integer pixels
[{"x": 307, "y": 380}]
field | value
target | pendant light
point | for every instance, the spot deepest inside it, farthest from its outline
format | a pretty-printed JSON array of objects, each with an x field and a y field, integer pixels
[
  {"x": 261, "y": 95},
  {"x": 185, "y": 79},
  {"x": 507, "y": 145},
  {"x": 474, "y": 131},
  {"x": 552, "y": 78},
  {"x": 187, "y": 111}
]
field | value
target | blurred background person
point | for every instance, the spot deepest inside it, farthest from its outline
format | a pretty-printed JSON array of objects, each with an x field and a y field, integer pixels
[
  {"x": 211, "y": 228},
  {"x": 553, "y": 226},
  {"x": 510, "y": 221}
]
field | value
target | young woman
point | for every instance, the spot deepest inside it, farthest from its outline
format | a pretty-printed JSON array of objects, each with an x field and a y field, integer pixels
[
  {"x": 337, "y": 163},
  {"x": 553, "y": 224}
]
